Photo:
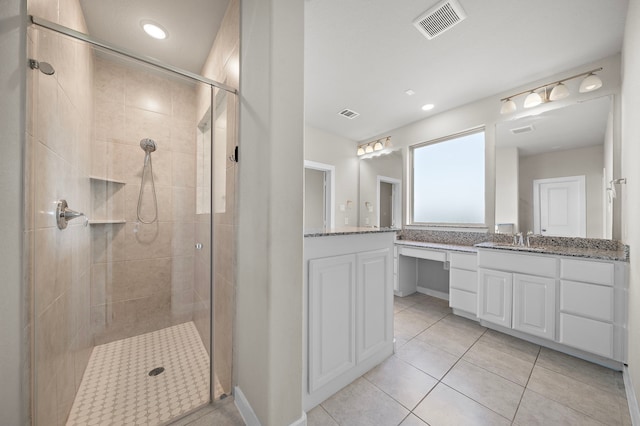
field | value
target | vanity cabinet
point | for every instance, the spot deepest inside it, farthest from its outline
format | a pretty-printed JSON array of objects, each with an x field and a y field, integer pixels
[
  {"x": 348, "y": 310},
  {"x": 574, "y": 302},
  {"x": 463, "y": 282}
]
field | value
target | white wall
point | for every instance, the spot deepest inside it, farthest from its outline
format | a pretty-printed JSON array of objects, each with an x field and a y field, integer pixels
[
  {"x": 507, "y": 166},
  {"x": 571, "y": 162},
  {"x": 270, "y": 233},
  {"x": 630, "y": 170},
  {"x": 327, "y": 148},
  {"x": 14, "y": 392}
]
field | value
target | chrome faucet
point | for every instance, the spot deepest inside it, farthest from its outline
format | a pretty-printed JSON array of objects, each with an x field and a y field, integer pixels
[
  {"x": 517, "y": 239},
  {"x": 529, "y": 234}
]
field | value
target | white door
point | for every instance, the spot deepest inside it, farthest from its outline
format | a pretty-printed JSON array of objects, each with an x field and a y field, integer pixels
[
  {"x": 534, "y": 305},
  {"x": 495, "y": 296},
  {"x": 559, "y": 207}
]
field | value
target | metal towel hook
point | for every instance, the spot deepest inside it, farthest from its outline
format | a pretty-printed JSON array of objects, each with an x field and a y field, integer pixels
[{"x": 64, "y": 214}]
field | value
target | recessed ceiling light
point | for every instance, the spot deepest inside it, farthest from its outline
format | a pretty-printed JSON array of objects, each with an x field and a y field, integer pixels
[
  {"x": 428, "y": 107},
  {"x": 409, "y": 92},
  {"x": 154, "y": 29}
]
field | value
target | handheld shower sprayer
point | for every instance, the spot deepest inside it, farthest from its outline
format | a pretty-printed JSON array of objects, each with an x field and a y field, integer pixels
[{"x": 148, "y": 146}]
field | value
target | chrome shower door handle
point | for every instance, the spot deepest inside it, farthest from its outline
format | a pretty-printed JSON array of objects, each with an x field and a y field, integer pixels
[{"x": 64, "y": 214}]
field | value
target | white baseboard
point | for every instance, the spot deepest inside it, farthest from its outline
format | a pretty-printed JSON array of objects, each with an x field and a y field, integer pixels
[
  {"x": 434, "y": 293},
  {"x": 634, "y": 410},
  {"x": 302, "y": 421},
  {"x": 250, "y": 418},
  {"x": 244, "y": 408}
]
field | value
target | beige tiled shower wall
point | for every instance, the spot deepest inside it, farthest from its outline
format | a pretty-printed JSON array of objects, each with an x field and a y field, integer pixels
[
  {"x": 142, "y": 275},
  {"x": 59, "y": 127},
  {"x": 222, "y": 65}
]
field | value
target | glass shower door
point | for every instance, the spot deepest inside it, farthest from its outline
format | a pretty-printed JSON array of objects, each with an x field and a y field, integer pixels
[{"x": 121, "y": 307}]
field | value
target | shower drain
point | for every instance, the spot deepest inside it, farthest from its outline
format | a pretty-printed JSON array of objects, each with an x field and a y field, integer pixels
[{"x": 156, "y": 371}]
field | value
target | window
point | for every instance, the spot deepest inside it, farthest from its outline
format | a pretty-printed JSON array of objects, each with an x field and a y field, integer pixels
[{"x": 448, "y": 180}]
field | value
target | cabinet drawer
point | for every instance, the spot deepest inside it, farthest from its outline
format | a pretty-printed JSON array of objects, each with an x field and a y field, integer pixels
[
  {"x": 463, "y": 300},
  {"x": 520, "y": 263},
  {"x": 594, "y": 301},
  {"x": 587, "y": 271},
  {"x": 463, "y": 280},
  {"x": 464, "y": 261},
  {"x": 587, "y": 334},
  {"x": 440, "y": 256}
]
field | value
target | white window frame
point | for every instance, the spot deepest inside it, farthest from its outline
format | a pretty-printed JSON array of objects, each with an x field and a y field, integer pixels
[{"x": 474, "y": 227}]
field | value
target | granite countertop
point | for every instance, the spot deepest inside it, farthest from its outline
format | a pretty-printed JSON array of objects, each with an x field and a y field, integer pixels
[
  {"x": 438, "y": 246},
  {"x": 347, "y": 230},
  {"x": 620, "y": 255}
]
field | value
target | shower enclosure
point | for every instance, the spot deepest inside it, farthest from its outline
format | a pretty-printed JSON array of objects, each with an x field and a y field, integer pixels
[{"x": 132, "y": 302}]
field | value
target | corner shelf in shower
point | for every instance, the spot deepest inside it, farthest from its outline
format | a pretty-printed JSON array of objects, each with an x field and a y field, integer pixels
[
  {"x": 108, "y": 180},
  {"x": 107, "y": 222}
]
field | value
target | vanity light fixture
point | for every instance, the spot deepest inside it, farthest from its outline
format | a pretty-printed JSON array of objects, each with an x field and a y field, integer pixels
[
  {"x": 539, "y": 94},
  {"x": 377, "y": 145}
]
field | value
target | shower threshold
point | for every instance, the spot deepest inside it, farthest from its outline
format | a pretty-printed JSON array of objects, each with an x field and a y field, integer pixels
[{"x": 147, "y": 379}]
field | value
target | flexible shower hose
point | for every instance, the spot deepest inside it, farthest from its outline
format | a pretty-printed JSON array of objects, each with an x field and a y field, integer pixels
[{"x": 147, "y": 161}]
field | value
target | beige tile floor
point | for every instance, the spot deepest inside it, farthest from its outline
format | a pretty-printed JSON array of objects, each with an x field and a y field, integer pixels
[{"x": 448, "y": 370}]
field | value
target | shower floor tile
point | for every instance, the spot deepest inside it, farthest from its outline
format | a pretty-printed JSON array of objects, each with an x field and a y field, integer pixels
[{"x": 117, "y": 389}]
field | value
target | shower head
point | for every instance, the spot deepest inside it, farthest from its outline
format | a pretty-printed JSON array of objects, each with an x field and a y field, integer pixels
[{"x": 148, "y": 145}]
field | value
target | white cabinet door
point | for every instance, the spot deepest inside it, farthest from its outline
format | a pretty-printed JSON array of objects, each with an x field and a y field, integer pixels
[
  {"x": 534, "y": 305},
  {"x": 374, "y": 303},
  {"x": 332, "y": 318},
  {"x": 494, "y": 296}
]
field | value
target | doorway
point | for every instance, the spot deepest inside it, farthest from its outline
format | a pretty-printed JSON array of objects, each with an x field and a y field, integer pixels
[
  {"x": 319, "y": 190},
  {"x": 559, "y": 206},
  {"x": 388, "y": 201}
]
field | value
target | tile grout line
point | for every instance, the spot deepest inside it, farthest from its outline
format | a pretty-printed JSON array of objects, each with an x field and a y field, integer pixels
[{"x": 526, "y": 384}]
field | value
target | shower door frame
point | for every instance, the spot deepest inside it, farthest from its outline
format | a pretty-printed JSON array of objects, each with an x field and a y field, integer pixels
[{"x": 192, "y": 76}]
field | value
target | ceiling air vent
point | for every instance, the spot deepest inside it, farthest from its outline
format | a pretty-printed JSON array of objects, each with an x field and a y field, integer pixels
[
  {"x": 524, "y": 129},
  {"x": 440, "y": 18},
  {"x": 349, "y": 114}
]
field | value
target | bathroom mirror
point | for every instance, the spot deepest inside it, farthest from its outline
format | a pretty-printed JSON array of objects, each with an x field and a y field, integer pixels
[
  {"x": 553, "y": 170},
  {"x": 380, "y": 191}
]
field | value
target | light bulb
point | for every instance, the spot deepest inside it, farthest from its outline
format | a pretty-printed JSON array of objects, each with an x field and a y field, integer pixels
[
  {"x": 360, "y": 150},
  {"x": 532, "y": 99},
  {"x": 590, "y": 83},
  {"x": 560, "y": 91},
  {"x": 508, "y": 107},
  {"x": 368, "y": 149},
  {"x": 154, "y": 30},
  {"x": 377, "y": 146}
]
